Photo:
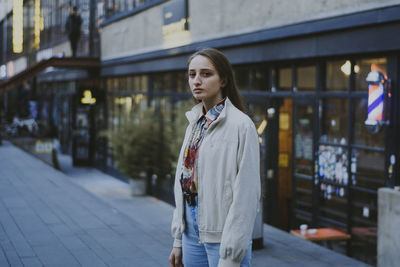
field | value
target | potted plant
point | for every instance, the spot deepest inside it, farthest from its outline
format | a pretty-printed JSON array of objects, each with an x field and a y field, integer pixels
[{"x": 141, "y": 150}]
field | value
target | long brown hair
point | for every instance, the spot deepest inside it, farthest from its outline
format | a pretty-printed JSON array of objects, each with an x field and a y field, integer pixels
[{"x": 225, "y": 72}]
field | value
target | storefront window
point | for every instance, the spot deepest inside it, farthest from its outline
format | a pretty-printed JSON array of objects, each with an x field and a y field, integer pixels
[
  {"x": 161, "y": 82},
  {"x": 139, "y": 105},
  {"x": 117, "y": 6},
  {"x": 144, "y": 83},
  {"x": 285, "y": 79},
  {"x": 363, "y": 67},
  {"x": 334, "y": 121},
  {"x": 361, "y": 135},
  {"x": 125, "y": 103},
  {"x": 337, "y": 75},
  {"x": 335, "y": 207},
  {"x": 259, "y": 78},
  {"x": 306, "y": 78},
  {"x": 303, "y": 148},
  {"x": 129, "y": 84},
  {"x": 242, "y": 75},
  {"x": 123, "y": 84},
  {"x": 180, "y": 82},
  {"x": 136, "y": 83},
  {"x": 109, "y": 85},
  {"x": 258, "y": 114},
  {"x": 333, "y": 166},
  {"x": 303, "y": 201},
  {"x": 179, "y": 125},
  {"x": 368, "y": 169},
  {"x": 115, "y": 85}
]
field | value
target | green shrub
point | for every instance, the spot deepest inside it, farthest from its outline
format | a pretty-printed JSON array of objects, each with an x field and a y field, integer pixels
[{"x": 141, "y": 146}]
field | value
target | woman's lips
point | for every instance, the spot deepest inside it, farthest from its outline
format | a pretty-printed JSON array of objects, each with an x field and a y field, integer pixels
[{"x": 197, "y": 90}]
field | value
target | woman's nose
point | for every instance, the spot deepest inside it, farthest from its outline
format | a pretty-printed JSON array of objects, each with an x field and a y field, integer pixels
[{"x": 197, "y": 79}]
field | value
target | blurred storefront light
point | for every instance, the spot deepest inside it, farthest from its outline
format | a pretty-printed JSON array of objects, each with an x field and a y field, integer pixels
[
  {"x": 37, "y": 25},
  {"x": 346, "y": 68},
  {"x": 18, "y": 24}
]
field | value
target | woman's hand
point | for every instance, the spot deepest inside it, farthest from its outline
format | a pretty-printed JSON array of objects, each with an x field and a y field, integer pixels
[{"x": 175, "y": 259}]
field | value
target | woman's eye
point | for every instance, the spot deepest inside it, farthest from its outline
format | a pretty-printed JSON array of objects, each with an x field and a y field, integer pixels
[
  {"x": 192, "y": 75},
  {"x": 206, "y": 74}
]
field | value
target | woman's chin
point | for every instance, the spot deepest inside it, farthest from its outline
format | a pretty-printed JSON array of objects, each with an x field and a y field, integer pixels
[{"x": 198, "y": 97}]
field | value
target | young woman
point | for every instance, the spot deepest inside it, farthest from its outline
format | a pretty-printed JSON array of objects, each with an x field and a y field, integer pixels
[{"x": 217, "y": 182}]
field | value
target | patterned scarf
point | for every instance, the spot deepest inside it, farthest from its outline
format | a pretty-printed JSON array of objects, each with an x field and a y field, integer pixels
[{"x": 189, "y": 180}]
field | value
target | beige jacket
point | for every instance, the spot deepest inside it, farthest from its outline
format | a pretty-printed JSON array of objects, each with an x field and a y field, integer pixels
[{"x": 228, "y": 168}]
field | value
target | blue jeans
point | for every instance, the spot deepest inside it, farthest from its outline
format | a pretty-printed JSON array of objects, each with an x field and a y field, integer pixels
[{"x": 202, "y": 255}]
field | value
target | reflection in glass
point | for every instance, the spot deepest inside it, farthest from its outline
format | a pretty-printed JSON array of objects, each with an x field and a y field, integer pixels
[
  {"x": 303, "y": 148},
  {"x": 259, "y": 78},
  {"x": 285, "y": 79},
  {"x": 336, "y": 79},
  {"x": 242, "y": 75},
  {"x": 364, "y": 211},
  {"x": 365, "y": 66},
  {"x": 334, "y": 208},
  {"x": 334, "y": 121},
  {"x": 303, "y": 197},
  {"x": 306, "y": 78},
  {"x": 181, "y": 82},
  {"x": 368, "y": 168},
  {"x": 257, "y": 114}
]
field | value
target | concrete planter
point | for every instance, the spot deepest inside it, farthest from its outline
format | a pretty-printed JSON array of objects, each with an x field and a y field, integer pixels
[{"x": 138, "y": 187}]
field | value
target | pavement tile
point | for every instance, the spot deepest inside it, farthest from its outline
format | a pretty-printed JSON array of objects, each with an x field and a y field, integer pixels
[
  {"x": 271, "y": 262},
  {"x": 31, "y": 262},
  {"x": 55, "y": 255},
  {"x": 101, "y": 252},
  {"x": 61, "y": 230},
  {"x": 13, "y": 258},
  {"x": 12, "y": 238},
  {"x": 3, "y": 258},
  {"x": 72, "y": 243},
  {"x": 88, "y": 258},
  {"x": 42, "y": 238}
]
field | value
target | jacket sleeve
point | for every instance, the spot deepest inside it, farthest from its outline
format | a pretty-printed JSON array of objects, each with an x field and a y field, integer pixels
[
  {"x": 239, "y": 223},
  {"x": 177, "y": 226},
  {"x": 177, "y": 223}
]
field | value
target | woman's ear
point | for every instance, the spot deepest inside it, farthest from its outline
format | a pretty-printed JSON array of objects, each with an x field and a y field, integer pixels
[{"x": 223, "y": 83}]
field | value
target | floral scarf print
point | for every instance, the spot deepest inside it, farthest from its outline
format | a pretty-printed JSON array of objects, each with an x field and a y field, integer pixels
[{"x": 188, "y": 178}]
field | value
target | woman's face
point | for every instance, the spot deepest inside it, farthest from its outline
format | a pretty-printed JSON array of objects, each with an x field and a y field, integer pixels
[{"x": 204, "y": 81}]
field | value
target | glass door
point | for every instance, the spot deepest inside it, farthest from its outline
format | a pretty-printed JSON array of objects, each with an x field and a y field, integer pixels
[{"x": 303, "y": 148}]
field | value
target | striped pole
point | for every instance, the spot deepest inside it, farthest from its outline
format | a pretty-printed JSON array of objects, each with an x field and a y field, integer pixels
[{"x": 375, "y": 102}]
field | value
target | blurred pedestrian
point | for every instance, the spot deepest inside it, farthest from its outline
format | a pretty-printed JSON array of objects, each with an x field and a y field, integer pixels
[
  {"x": 217, "y": 182},
  {"x": 73, "y": 28}
]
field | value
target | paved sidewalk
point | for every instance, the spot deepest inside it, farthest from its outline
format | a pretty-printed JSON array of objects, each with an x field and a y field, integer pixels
[{"x": 83, "y": 217}]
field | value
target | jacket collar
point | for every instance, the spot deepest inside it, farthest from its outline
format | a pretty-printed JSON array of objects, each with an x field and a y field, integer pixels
[{"x": 196, "y": 112}]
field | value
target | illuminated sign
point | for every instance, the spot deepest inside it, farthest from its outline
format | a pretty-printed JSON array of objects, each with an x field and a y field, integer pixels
[
  {"x": 3, "y": 71},
  {"x": 43, "y": 146},
  {"x": 87, "y": 98},
  {"x": 176, "y": 24},
  {"x": 18, "y": 25},
  {"x": 37, "y": 25}
]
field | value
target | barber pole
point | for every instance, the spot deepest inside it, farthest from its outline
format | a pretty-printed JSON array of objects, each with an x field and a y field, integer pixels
[
  {"x": 378, "y": 90},
  {"x": 375, "y": 102}
]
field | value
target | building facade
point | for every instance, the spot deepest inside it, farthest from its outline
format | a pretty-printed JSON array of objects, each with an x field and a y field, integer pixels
[{"x": 302, "y": 69}]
